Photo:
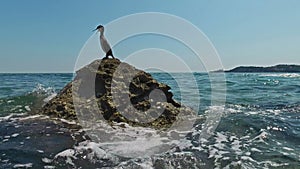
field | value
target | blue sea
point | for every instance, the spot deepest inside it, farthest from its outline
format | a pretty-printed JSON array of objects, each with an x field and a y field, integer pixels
[{"x": 259, "y": 128}]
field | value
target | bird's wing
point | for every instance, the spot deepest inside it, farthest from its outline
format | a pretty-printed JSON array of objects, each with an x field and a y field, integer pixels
[{"x": 104, "y": 44}]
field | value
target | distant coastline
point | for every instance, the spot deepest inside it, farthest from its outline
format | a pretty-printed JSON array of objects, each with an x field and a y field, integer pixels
[{"x": 281, "y": 68}]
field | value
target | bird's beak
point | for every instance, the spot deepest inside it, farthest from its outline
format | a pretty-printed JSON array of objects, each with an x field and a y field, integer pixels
[{"x": 94, "y": 30}]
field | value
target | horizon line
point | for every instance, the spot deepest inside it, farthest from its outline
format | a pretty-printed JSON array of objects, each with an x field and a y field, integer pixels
[{"x": 224, "y": 70}]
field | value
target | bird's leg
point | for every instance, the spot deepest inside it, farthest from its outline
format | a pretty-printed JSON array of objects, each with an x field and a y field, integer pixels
[
  {"x": 109, "y": 53},
  {"x": 106, "y": 56}
]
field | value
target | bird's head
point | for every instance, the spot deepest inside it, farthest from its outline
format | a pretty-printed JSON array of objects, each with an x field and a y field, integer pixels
[{"x": 100, "y": 28}]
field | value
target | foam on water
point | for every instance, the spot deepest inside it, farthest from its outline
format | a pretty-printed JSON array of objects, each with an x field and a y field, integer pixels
[
  {"x": 51, "y": 96},
  {"x": 225, "y": 149},
  {"x": 68, "y": 154},
  {"x": 27, "y": 108},
  {"x": 6, "y": 117},
  {"x": 48, "y": 92},
  {"x": 222, "y": 148},
  {"x": 128, "y": 141},
  {"x": 285, "y": 75},
  {"x": 28, "y": 165}
]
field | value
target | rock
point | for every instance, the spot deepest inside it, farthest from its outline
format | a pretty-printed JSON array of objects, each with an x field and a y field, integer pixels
[{"x": 116, "y": 92}]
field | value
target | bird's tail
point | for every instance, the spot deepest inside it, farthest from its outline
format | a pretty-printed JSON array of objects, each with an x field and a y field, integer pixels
[{"x": 110, "y": 53}]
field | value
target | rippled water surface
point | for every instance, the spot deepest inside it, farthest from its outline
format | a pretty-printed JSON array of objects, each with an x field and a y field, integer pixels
[{"x": 260, "y": 127}]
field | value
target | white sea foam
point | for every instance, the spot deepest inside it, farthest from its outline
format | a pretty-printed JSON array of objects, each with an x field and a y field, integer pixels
[
  {"x": 6, "y": 117},
  {"x": 229, "y": 147},
  {"x": 86, "y": 150},
  {"x": 145, "y": 163},
  {"x": 274, "y": 128},
  {"x": 27, "y": 108},
  {"x": 15, "y": 135},
  {"x": 127, "y": 141},
  {"x": 40, "y": 151},
  {"x": 287, "y": 148},
  {"x": 51, "y": 96},
  {"x": 272, "y": 164},
  {"x": 68, "y": 154},
  {"x": 67, "y": 121},
  {"x": 97, "y": 151},
  {"x": 261, "y": 137},
  {"x": 46, "y": 160},
  {"x": 138, "y": 147},
  {"x": 134, "y": 141},
  {"x": 49, "y": 92},
  {"x": 28, "y": 165},
  {"x": 255, "y": 150},
  {"x": 10, "y": 101},
  {"x": 287, "y": 75},
  {"x": 65, "y": 153},
  {"x": 221, "y": 138},
  {"x": 30, "y": 117}
]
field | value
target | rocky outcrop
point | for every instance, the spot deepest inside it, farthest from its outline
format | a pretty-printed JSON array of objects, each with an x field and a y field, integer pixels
[{"x": 116, "y": 92}]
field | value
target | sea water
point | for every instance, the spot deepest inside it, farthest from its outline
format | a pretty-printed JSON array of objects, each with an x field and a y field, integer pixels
[{"x": 260, "y": 127}]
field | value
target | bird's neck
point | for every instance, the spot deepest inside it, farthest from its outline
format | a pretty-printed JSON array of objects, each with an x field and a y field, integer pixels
[{"x": 101, "y": 33}]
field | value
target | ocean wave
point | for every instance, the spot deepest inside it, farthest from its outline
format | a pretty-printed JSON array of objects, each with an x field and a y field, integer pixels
[
  {"x": 28, "y": 102},
  {"x": 286, "y": 75},
  {"x": 47, "y": 92},
  {"x": 225, "y": 149}
]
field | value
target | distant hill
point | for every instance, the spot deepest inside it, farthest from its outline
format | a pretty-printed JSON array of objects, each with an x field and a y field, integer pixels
[
  {"x": 277, "y": 68},
  {"x": 256, "y": 69}
]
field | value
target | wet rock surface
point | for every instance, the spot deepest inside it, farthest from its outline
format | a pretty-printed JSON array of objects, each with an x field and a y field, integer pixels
[{"x": 115, "y": 91}]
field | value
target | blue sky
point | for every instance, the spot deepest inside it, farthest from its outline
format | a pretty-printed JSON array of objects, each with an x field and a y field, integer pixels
[{"x": 46, "y": 36}]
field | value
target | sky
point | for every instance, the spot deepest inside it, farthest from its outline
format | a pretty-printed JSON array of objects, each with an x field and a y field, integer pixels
[{"x": 47, "y": 36}]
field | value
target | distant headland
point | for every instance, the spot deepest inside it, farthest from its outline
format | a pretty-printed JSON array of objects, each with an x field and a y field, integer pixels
[{"x": 281, "y": 68}]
